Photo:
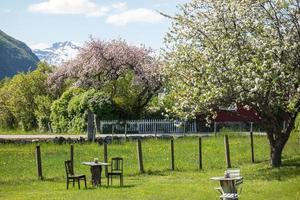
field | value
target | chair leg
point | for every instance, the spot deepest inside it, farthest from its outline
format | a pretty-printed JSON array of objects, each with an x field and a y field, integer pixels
[
  {"x": 107, "y": 180},
  {"x": 111, "y": 180},
  {"x": 73, "y": 182},
  {"x": 67, "y": 183},
  {"x": 78, "y": 183},
  {"x": 122, "y": 180},
  {"x": 85, "y": 182}
]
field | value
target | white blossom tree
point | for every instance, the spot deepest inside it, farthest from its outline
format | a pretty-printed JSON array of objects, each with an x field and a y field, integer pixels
[
  {"x": 102, "y": 63},
  {"x": 238, "y": 51}
]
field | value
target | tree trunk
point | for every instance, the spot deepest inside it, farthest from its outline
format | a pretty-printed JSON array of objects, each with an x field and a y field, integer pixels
[
  {"x": 275, "y": 157},
  {"x": 279, "y": 126},
  {"x": 277, "y": 143}
]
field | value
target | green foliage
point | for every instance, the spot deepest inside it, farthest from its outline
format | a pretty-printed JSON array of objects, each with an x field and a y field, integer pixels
[
  {"x": 297, "y": 125},
  {"x": 43, "y": 111},
  {"x": 125, "y": 94},
  {"x": 69, "y": 112},
  {"x": 18, "y": 98},
  {"x": 59, "y": 113}
]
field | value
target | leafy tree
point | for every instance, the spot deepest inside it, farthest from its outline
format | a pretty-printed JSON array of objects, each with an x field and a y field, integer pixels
[
  {"x": 244, "y": 52},
  {"x": 128, "y": 73},
  {"x": 59, "y": 110},
  {"x": 18, "y": 97},
  {"x": 69, "y": 112},
  {"x": 43, "y": 112},
  {"x": 7, "y": 120}
]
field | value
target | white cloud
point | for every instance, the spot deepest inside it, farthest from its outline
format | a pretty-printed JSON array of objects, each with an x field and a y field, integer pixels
[
  {"x": 135, "y": 15},
  {"x": 85, "y": 7},
  {"x": 40, "y": 45},
  {"x": 121, "y": 6}
]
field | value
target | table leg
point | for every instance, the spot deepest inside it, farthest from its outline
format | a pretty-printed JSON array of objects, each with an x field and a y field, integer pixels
[{"x": 96, "y": 175}]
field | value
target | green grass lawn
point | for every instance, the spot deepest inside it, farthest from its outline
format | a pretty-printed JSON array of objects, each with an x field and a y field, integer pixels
[{"x": 18, "y": 172}]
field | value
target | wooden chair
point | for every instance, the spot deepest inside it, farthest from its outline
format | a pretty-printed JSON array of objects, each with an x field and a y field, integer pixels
[
  {"x": 237, "y": 183},
  {"x": 72, "y": 176},
  {"x": 233, "y": 172},
  {"x": 116, "y": 170}
]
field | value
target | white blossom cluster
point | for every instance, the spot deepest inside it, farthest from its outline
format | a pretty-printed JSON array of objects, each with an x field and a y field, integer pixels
[{"x": 236, "y": 51}]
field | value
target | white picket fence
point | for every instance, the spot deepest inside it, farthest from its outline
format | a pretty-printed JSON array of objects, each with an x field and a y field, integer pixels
[{"x": 147, "y": 126}]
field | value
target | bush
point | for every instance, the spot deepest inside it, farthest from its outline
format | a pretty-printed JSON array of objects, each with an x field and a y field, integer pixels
[{"x": 69, "y": 113}]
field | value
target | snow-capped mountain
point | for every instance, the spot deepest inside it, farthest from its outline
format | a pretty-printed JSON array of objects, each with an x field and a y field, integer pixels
[{"x": 58, "y": 53}]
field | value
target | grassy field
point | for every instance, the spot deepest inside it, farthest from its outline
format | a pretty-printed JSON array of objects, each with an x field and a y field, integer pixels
[{"x": 18, "y": 173}]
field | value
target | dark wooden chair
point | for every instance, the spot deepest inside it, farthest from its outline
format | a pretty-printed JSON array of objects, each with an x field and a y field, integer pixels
[
  {"x": 116, "y": 170},
  {"x": 72, "y": 176}
]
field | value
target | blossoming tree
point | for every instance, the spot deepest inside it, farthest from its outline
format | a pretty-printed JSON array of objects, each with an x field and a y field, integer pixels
[
  {"x": 238, "y": 51},
  {"x": 102, "y": 65}
]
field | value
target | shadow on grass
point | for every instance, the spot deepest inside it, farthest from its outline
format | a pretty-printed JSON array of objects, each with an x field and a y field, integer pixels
[
  {"x": 289, "y": 169},
  {"x": 164, "y": 172},
  {"x": 111, "y": 187},
  {"x": 53, "y": 179},
  {"x": 295, "y": 162}
]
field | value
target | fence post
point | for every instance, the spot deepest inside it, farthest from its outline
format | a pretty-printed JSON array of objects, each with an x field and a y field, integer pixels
[
  {"x": 39, "y": 162},
  {"x": 227, "y": 151},
  {"x": 251, "y": 142},
  {"x": 125, "y": 130},
  {"x": 96, "y": 125},
  {"x": 140, "y": 156},
  {"x": 155, "y": 129},
  {"x": 184, "y": 128},
  {"x": 105, "y": 157},
  {"x": 200, "y": 152},
  {"x": 172, "y": 155},
  {"x": 112, "y": 133},
  {"x": 72, "y": 156},
  {"x": 215, "y": 128},
  {"x": 90, "y": 126}
]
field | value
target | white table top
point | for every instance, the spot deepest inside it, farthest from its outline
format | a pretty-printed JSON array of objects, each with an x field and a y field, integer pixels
[
  {"x": 95, "y": 163},
  {"x": 222, "y": 178}
]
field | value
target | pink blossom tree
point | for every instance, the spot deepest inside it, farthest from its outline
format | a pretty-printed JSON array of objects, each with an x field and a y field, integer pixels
[{"x": 101, "y": 64}]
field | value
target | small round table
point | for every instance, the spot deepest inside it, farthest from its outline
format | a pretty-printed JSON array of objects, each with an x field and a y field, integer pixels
[{"x": 96, "y": 169}]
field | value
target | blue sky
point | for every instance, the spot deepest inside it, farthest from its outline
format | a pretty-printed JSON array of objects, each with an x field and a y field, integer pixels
[{"x": 39, "y": 23}]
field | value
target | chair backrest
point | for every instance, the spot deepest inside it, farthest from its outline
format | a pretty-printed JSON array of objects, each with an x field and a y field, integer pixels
[
  {"x": 233, "y": 172},
  {"x": 69, "y": 167},
  {"x": 117, "y": 164}
]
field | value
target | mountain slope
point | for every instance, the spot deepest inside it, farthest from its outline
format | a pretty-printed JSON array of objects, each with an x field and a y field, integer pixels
[
  {"x": 58, "y": 53},
  {"x": 15, "y": 56}
]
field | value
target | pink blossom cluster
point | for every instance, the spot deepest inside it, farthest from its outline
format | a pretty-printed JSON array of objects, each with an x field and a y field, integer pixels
[{"x": 101, "y": 61}]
